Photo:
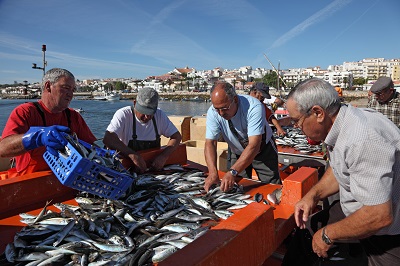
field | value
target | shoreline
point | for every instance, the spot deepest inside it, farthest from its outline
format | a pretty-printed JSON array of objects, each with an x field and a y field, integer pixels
[{"x": 357, "y": 98}]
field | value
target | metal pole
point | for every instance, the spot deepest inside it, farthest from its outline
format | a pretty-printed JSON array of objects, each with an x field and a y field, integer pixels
[
  {"x": 277, "y": 86},
  {"x": 275, "y": 70},
  {"x": 44, "y": 58}
]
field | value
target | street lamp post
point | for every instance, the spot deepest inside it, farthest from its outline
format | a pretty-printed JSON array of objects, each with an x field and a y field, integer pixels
[{"x": 34, "y": 66}]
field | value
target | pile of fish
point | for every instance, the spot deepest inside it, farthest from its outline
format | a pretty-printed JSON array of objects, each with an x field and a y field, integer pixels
[
  {"x": 103, "y": 157},
  {"x": 295, "y": 138},
  {"x": 88, "y": 168},
  {"x": 160, "y": 214}
]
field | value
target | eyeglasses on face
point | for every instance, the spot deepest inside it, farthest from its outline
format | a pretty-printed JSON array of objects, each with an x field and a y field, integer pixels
[
  {"x": 224, "y": 109},
  {"x": 297, "y": 123}
]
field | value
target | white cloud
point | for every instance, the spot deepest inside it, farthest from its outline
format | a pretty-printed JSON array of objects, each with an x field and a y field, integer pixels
[{"x": 324, "y": 13}]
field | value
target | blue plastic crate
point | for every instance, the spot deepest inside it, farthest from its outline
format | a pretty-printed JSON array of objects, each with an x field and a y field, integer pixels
[{"x": 75, "y": 171}]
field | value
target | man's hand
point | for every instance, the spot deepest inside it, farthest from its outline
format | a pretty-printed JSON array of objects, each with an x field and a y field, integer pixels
[
  {"x": 302, "y": 210},
  {"x": 227, "y": 182},
  {"x": 319, "y": 246},
  {"x": 210, "y": 180},
  {"x": 159, "y": 162},
  {"x": 50, "y": 137},
  {"x": 280, "y": 132},
  {"x": 139, "y": 163}
]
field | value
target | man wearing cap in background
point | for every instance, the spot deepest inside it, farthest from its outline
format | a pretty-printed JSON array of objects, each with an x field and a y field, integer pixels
[
  {"x": 386, "y": 99},
  {"x": 261, "y": 92},
  {"x": 139, "y": 127},
  {"x": 271, "y": 101}
]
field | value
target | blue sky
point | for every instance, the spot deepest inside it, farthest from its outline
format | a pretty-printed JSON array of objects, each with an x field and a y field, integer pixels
[{"x": 130, "y": 38}]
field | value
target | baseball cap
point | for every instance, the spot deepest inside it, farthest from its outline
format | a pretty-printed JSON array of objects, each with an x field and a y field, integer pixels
[
  {"x": 147, "y": 101},
  {"x": 264, "y": 89},
  {"x": 381, "y": 84}
]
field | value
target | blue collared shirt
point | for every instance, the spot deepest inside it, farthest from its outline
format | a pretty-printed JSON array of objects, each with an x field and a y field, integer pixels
[{"x": 248, "y": 121}]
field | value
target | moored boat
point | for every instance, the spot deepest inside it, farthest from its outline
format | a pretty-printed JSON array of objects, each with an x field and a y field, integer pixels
[
  {"x": 108, "y": 96},
  {"x": 79, "y": 110},
  {"x": 113, "y": 96}
]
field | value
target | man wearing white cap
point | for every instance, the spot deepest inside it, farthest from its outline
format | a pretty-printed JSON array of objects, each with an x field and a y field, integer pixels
[{"x": 139, "y": 127}]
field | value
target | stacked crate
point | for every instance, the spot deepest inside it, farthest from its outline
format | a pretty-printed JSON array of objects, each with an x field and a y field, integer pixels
[
  {"x": 182, "y": 123},
  {"x": 195, "y": 146}
]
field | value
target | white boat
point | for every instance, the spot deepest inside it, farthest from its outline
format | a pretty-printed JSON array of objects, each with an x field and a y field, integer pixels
[
  {"x": 113, "y": 96},
  {"x": 108, "y": 96},
  {"x": 79, "y": 110}
]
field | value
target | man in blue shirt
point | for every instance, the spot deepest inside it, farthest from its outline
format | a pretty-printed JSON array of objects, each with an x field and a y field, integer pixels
[{"x": 241, "y": 121}]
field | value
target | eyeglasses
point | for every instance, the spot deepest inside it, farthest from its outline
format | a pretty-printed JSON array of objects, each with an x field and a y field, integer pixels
[
  {"x": 223, "y": 108},
  {"x": 296, "y": 122}
]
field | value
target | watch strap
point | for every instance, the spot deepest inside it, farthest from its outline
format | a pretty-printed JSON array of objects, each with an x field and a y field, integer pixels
[
  {"x": 325, "y": 237},
  {"x": 233, "y": 172}
]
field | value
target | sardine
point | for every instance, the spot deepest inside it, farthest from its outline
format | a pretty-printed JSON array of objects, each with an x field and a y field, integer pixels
[
  {"x": 51, "y": 260},
  {"x": 64, "y": 232},
  {"x": 162, "y": 255},
  {"x": 42, "y": 213},
  {"x": 32, "y": 256},
  {"x": 275, "y": 196},
  {"x": 10, "y": 252},
  {"x": 108, "y": 247}
]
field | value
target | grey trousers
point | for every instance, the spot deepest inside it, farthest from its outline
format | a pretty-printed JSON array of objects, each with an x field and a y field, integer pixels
[{"x": 265, "y": 164}]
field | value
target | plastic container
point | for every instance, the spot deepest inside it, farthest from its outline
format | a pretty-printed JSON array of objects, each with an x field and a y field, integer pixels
[{"x": 75, "y": 171}]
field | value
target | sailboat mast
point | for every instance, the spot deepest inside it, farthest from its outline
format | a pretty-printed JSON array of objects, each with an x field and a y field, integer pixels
[
  {"x": 277, "y": 72},
  {"x": 277, "y": 78}
]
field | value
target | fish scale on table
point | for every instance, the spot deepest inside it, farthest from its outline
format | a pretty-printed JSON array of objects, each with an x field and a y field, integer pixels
[{"x": 155, "y": 211}]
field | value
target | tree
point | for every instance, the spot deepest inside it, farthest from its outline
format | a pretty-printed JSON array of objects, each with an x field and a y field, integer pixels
[
  {"x": 270, "y": 79},
  {"x": 205, "y": 84},
  {"x": 162, "y": 85},
  {"x": 345, "y": 82},
  {"x": 243, "y": 81},
  {"x": 120, "y": 86},
  {"x": 197, "y": 77},
  {"x": 169, "y": 82},
  {"x": 187, "y": 82},
  {"x": 291, "y": 84},
  {"x": 108, "y": 87},
  {"x": 359, "y": 81},
  {"x": 136, "y": 83},
  {"x": 234, "y": 83}
]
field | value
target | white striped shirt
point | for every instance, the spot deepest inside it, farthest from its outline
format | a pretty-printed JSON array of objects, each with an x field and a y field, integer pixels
[{"x": 365, "y": 159}]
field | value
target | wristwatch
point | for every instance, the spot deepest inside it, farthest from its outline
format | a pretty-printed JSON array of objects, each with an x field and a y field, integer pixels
[
  {"x": 233, "y": 172},
  {"x": 326, "y": 238}
]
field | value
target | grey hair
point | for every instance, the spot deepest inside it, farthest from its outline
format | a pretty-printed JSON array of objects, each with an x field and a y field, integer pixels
[
  {"x": 54, "y": 74},
  {"x": 315, "y": 91},
  {"x": 228, "y": 88}
]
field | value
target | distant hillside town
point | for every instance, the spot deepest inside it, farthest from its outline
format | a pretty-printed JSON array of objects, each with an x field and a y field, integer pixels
[{"x": 350, "y": 75}]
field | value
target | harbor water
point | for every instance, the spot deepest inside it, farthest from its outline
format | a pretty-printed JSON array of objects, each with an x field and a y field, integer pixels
[{"x": 98, "y": 114}]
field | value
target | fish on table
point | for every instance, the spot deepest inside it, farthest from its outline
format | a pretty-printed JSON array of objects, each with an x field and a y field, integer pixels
[{"x": 155, "y": 218}]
